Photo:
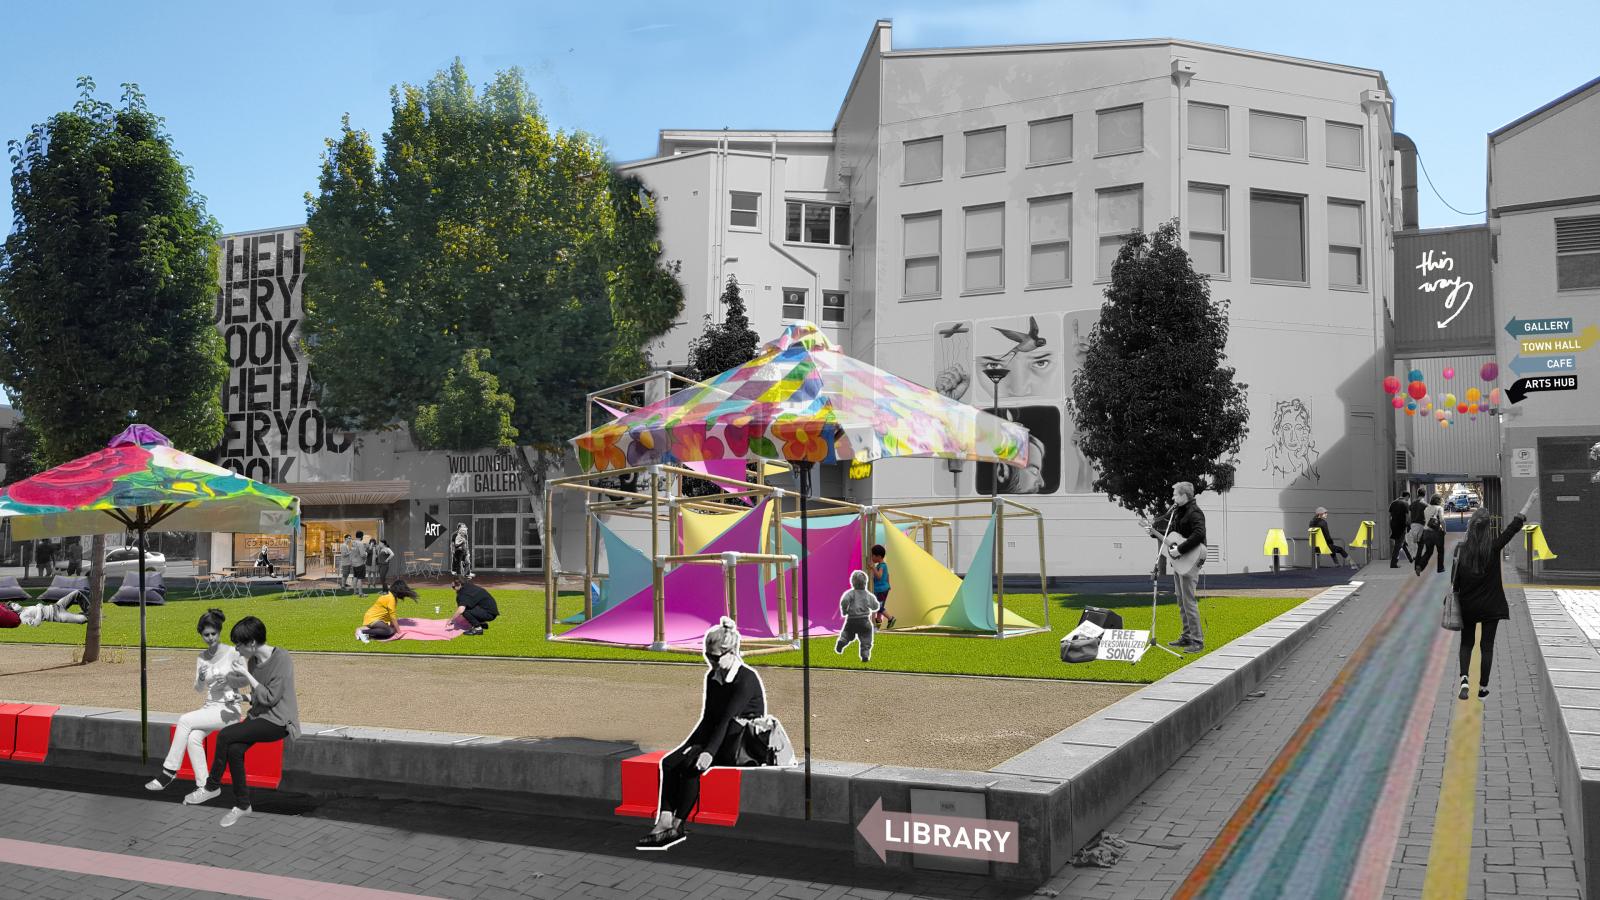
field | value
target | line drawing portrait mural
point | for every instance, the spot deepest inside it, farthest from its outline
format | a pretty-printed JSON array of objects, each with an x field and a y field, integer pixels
[
  {"x": 1292, "y": 453},
  {"x": 1027, "y": 346},
  {"x": 1077, "y": 472},
  {"x": 1042, "y": 475},
  {"x": 952, "y": 359}
]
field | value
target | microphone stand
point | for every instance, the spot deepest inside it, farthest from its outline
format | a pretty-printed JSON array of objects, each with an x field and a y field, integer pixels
[{"x": 1155, "y": 581}]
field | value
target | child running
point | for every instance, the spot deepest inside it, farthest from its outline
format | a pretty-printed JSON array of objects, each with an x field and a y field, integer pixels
[
  {"x": 857, "y": 607},
  {"x": 880, "y": 586}
]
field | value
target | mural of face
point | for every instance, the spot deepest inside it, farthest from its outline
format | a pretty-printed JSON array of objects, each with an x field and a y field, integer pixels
[
  {"x": 1293, "y": 453},
  {"x": 1029, "y": 480}
]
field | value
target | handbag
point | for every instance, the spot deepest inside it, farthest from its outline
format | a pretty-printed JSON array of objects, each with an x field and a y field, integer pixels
[
  {"x": 763, "y": 743},
  {"x": 1451, "y": 617},
  {"x": 1080, "y": 649}
]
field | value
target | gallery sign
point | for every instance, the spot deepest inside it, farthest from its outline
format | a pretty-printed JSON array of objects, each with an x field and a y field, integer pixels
[
  {"x": 484, "y": 473},
  {"x": 1443, "y": 292}
]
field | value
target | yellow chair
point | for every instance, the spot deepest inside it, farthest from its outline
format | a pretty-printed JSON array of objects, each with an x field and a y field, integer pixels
[{"x": 1277, "y": 546}]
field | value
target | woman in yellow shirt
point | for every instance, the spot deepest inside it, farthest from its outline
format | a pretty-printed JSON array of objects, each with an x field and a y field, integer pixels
[{"x": 382, "y": 617}]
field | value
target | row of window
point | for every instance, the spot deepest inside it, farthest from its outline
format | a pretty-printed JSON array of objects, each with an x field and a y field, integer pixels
[
  {"x": 805, "y": 221},
  {"x": 797, "y": 306},
  {"x": 1278, "y": 239},
  {"x": 1121, "y": 130}
]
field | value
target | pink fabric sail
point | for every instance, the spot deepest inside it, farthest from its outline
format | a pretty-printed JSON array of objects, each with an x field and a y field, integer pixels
[
  {"x": 835, "y": 553},
  {"x": 694, "y": 598}
]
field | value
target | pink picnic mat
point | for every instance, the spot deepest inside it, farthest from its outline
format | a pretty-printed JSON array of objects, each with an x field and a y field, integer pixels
[{"x": 426, "y": 629}]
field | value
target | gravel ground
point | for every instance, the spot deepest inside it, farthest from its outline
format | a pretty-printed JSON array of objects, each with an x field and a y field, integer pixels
[{"x": 931, "y": 721}]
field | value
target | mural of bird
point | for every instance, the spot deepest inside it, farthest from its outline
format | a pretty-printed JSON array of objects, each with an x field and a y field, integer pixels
[
  {"x": 1024, "y": 342},
  {"x": 953, "y": 330}
]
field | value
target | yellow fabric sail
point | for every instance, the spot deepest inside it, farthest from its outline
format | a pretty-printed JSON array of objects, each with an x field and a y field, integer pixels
[
  {"x": 698, "y": 529},
  {"x": 920, "y": 587}
]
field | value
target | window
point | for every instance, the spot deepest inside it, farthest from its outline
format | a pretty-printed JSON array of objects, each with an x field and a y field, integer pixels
[
  {"x": 1121, "y": 210},
  {"x": 922, "y": 237},
  {"x": 986, "y": 235},
  {"x": 833, "y": 307},
  {"x": 986, "y": 151},
  {"x": 924, "y": 160},
  {"x": 1050, "y": 240},
  {"x": 1277, "y": 237},
  {"x": 794, "y": 303},
  {"x": 1280, "y": 137},
  {"x": 1208, "y": 228},
  {"x": 817, "y": 223},
  {"x": 1121, "y": 130},
  {"x": 1578, "y": 253},
  {"x": 744, "y": 210},
  {"x": 1344, "y": 146},
  {"x": 1208, "y": 127},
  {"x": 1345, "y": 244},
  {"x": 1050, "y": 141}
]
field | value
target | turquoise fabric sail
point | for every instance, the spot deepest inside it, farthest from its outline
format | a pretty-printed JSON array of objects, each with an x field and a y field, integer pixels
[
  {"x": 973, "y": 606},
  {"x": 628, "y": 573}
]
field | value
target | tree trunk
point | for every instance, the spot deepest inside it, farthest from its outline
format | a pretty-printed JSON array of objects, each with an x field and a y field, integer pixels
[
  {"x": 91, "y": 605},
  {"x": 535, "y": 474}
]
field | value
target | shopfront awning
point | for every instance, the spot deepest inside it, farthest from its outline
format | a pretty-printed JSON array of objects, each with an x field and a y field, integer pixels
[{"x": 347, "y": 493}]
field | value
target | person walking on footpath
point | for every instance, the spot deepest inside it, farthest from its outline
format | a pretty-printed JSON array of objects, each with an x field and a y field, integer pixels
[
  {"x": 1399, "y": 512},
  {"x": 385, "y": 556},
  {"x": 274, "y": 714},
  {"x": 1475, "y": 578},
  {"x": 345, "y": 560},
  {"x": 1319, "y": 522},
  {"x": 474, "y": 606},
  {"x": 461, "y": 554},
  {"x": 857, "y": 606},
  {"x": 1415, "y": 514},
  {"x": 358, "y": 563},
  {"x": 213, "y": 677},
  {"x": 1432, "y": 535},
  {"x": 1187, "y": 521}
]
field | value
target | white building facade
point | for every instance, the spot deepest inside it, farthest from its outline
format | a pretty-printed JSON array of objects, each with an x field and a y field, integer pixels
[{"x": 968, "y": 201}]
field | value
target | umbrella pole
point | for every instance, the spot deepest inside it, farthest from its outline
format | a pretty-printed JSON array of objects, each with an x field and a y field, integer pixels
[
  {"x": 144, "y": 677},
  {"x": 805, "y": 623}
]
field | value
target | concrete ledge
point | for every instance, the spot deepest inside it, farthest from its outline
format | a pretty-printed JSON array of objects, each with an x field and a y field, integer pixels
[
  {"x": 1061, "y": 791},
  {"x": 1569, "y": 669}
]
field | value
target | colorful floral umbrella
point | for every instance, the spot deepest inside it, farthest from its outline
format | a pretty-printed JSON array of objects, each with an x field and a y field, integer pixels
[
  {"x": 141, "y": 481},
  {"x": 804, "y": 401}
]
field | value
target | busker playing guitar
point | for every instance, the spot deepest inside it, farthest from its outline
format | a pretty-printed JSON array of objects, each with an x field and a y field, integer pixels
[{"x": 1182, "y": 530}]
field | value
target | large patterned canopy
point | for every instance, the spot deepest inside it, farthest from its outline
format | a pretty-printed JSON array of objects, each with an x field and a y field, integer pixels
[
  {"x": 802, "y": 400},
  {"x": 141, "y": 469}
]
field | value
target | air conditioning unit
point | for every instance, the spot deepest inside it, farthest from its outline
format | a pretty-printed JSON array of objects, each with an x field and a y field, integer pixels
[{"x": 1402, "y": 460}]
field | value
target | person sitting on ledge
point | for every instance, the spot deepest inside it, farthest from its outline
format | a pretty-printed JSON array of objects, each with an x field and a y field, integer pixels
[{"x": 382, "y": 618}]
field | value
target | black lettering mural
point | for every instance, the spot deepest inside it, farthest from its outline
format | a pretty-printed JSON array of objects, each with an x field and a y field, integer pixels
[{"x": 275, "y": 432}]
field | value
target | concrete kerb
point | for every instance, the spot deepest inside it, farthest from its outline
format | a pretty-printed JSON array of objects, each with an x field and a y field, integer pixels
[
  {"x": 1569, "y": 669},
  {"x": 1061, "y": 791}
]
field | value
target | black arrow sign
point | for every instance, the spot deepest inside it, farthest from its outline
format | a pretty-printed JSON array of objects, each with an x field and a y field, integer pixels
[{"x": 1525, "y": 386}]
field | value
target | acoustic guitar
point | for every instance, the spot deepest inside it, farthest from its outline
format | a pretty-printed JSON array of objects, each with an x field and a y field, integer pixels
[{"x": 1183, "y": 563}]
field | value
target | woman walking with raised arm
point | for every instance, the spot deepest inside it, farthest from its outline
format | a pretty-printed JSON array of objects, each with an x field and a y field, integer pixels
[{"x": 1475, "y": 578}]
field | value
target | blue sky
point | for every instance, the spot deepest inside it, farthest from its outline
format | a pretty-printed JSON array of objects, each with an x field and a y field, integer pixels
[{"x": 250, "y": 91}]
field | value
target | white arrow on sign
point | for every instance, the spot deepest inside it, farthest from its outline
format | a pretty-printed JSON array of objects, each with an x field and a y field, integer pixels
[{"x": 954, "y": 836}]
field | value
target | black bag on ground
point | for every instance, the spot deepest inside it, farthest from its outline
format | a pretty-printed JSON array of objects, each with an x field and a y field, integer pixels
[{"x": 1080, "y": 649}]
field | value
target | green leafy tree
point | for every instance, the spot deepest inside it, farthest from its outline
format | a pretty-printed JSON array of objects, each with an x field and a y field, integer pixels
[
  {"x": 472, "y": 410},
  {"x": 479, "y": 228},
  {"x": 723, "y": 346},
  {"x": 1153, "y": 402},
  {"x": 108, "y": 282},
  {"x": 18, "y": 453}
]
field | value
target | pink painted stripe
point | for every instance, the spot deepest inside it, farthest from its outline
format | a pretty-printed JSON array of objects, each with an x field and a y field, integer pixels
[
  {"x": 1383, "y": 831},
  {"x": 190, "y": 876}
]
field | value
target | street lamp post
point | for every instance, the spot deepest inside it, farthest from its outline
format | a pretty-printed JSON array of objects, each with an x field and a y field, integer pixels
[{"x": 996, "y": 371}]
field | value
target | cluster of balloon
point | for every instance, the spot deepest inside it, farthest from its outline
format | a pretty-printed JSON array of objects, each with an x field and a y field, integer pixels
[{"x": 1411, "y": 396}]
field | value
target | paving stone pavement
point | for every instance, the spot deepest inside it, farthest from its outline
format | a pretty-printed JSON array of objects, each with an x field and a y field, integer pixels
[{"x": 1520, "y": 844}]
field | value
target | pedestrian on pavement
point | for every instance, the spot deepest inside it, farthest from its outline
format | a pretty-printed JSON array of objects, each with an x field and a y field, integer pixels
[
  {"x": 45, "y": 555},
  {"x": 213, "y": 677},
  {"x": 385, "y": 556},
  {"x": 461, "y": 553},
  {"x": 734, "y": 698},
  {"x": 474, "y": 606},
  {"x": 1319, "y": 522},
  {"x": 1475, "y": 578},
  {"x": 344, "y": 560},
  {"x": 382, "y": 619},
  {"x": 1399, "y": 512},
  {"x": 1415, "y": 514},
  {"x": 274, "y": 713},
  {"x": 857, "y": 606},
  {"x": 358, "y": 563},
  {"x": 1185, "y": 520},
  {"x": 1432, "y": 535}
]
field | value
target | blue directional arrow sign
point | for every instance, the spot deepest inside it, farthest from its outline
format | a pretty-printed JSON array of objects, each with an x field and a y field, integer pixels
[
  {"x": 1524, "y": 365},
  {"x": 1521, "y": 328}
]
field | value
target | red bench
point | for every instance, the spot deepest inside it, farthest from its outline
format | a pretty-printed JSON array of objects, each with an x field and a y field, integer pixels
[
  {"x": 641, "y": 791},
  {"x": 263, "y": 762},
  {"x": 25, "y": 731}
]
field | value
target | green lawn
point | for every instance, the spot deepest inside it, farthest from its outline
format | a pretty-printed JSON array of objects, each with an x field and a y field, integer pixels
[{"x": 329, "y": 624}]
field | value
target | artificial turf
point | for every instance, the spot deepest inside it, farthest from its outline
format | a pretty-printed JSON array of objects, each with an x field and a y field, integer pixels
[{"x": 329, "y": 623}]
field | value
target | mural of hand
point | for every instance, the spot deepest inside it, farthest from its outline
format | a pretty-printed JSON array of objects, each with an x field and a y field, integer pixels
[{"x": 953, "y": 381}]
